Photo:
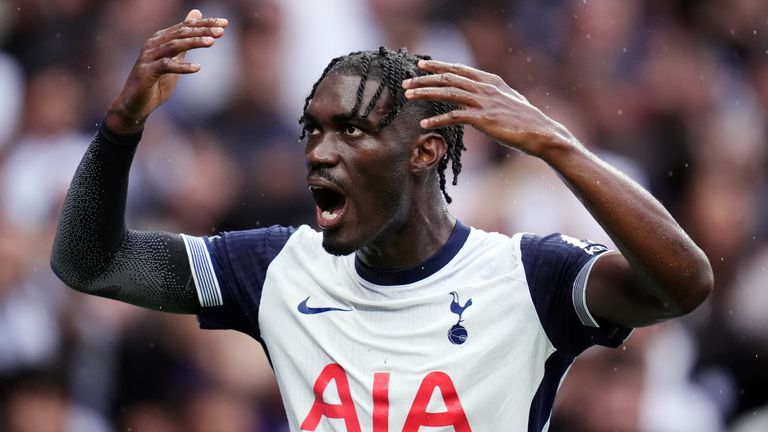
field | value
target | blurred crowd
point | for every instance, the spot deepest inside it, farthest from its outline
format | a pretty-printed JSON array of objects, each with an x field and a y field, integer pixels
[{"x": 672, "y": 92}]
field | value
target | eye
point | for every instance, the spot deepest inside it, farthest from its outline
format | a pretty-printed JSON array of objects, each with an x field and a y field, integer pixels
[
  {"x": 311, "y": 130},
  {"x": 352, "y": 131}
]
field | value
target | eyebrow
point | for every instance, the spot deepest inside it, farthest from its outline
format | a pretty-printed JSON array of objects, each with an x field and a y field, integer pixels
[{"x": 308, "y": 118}]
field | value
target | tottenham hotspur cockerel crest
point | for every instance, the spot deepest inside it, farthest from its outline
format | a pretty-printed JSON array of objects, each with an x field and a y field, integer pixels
[{"x": 458, "y": 334}]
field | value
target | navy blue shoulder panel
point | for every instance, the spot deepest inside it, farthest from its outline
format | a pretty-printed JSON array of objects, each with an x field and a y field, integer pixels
[
  {"x": 552, "y": 264},
  {"x": 240, "y": 260}
]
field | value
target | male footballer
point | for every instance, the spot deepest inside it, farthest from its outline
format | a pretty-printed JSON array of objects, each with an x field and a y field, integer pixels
[{"x": 394, "y": 315}]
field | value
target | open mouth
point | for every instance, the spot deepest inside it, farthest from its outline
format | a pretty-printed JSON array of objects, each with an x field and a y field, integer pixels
[{"x": 330, "y": 205}]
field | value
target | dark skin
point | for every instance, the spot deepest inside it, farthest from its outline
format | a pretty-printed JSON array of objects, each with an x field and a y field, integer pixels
[
  {"x": 394, "y": 215},
  {"x": 393, "y": 218},
  {"x": 658, "y": 272}
]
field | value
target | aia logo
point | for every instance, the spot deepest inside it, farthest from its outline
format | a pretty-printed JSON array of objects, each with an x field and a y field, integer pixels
[
  {"x": 458, "y": 334},
  {"x": 434, "y": 383}
]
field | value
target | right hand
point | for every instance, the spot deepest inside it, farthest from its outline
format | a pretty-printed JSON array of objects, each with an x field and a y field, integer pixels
[{"x": 156, "y": 71}]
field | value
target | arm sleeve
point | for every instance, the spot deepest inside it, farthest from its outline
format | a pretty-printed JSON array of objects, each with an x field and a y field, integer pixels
[
  {"x": 557, "y": 270},
  {"x": 93, "y": 251},
  {"x": 230, "y": 270}
]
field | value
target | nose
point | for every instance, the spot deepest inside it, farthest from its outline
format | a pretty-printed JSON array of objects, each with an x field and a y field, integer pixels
[{"x": 321, "y": 151}]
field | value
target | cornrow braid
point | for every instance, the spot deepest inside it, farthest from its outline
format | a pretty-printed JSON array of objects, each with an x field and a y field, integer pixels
[
  {"x": 391, "y": 68},
  {"x": 365, "y": 63}
]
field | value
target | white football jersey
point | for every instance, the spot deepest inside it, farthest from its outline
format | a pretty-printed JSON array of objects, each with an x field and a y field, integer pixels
[{"x": 476, "y": 338}]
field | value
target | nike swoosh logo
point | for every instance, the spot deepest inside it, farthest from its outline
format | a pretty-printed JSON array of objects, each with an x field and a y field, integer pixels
[{"x": 308, "y": 310}]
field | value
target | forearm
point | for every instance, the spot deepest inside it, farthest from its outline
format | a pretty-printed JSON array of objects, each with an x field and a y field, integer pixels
[
  {"x": 93, "y": 251},
  {"x": 660, "y": 272},
  {"x": 667, "y": 264}
]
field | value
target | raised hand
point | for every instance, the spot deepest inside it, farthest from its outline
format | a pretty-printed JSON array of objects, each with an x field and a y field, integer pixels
[
  {"x": 487, "y": 103},
  {"x": 156, "y": 71}
]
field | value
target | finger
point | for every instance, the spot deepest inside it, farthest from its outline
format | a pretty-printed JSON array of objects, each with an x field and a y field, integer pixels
[
  {"x": 169, "y": 65},
  {"x": 193, "y": 19},
  {"x": 437, "y": 66},
  {"x": 182, "y": 30},
  {"x": 450, "y": 118},
  {"x": 193, "y": 14},
  {"x": 207, "y": 22},
  {"x": 174, "y": 47},
  {"x": 447, "y": 79},
  {"x": 186, "y": 32},
  {"x": 451, "y": 95}
]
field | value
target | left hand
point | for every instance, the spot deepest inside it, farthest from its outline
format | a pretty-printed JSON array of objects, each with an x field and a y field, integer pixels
[{"x": 488, "y": 104}]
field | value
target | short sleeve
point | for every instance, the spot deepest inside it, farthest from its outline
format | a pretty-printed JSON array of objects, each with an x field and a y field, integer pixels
[
  {"x": 229, "y": 270},
  {"x": 557, "y": 270}
]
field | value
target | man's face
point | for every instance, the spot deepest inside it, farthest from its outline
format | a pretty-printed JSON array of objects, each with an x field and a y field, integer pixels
[{"x": 359, "y": 177}]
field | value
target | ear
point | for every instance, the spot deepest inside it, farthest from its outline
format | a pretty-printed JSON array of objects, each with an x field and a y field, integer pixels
[{"x": 428, "y": 150}]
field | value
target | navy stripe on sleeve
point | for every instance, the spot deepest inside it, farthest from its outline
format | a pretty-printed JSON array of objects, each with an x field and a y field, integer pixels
[{"x": 208, "y": 290}]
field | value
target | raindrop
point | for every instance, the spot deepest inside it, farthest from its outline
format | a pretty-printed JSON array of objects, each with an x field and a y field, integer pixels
[
  {"x": 686, "y": 164},
  {"x": 620, "y": 112},
  {"x": 624, "y": 50},
  {"x": 528, "y": 59}
]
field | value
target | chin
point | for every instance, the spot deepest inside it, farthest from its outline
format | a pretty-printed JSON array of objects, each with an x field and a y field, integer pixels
[{"x": 335, "y": 247}]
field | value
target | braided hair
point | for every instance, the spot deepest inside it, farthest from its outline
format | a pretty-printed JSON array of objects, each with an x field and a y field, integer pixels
[{"x": 391, "y": 68}]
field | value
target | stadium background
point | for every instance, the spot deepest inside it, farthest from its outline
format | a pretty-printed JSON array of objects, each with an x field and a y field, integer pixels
[{"x": 673, "y": 92}]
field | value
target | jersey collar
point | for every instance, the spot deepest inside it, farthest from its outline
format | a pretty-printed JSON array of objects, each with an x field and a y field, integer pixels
[{"x": 421, "y": 271}]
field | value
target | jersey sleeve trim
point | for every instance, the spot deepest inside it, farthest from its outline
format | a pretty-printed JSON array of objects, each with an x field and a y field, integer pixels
[
  {"x": 206, "y": 283},
  {"x": 580, "y": 294}
]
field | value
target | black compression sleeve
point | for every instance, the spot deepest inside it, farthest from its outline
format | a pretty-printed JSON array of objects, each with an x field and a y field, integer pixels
[{"x": 93, "y": 251}]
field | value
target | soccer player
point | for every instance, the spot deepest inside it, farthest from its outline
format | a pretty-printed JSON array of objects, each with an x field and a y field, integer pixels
[{"x": 395, "y": 316}]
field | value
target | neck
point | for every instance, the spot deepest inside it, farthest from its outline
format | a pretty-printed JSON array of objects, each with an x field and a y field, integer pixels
[{"x": 424, "y": 232}]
